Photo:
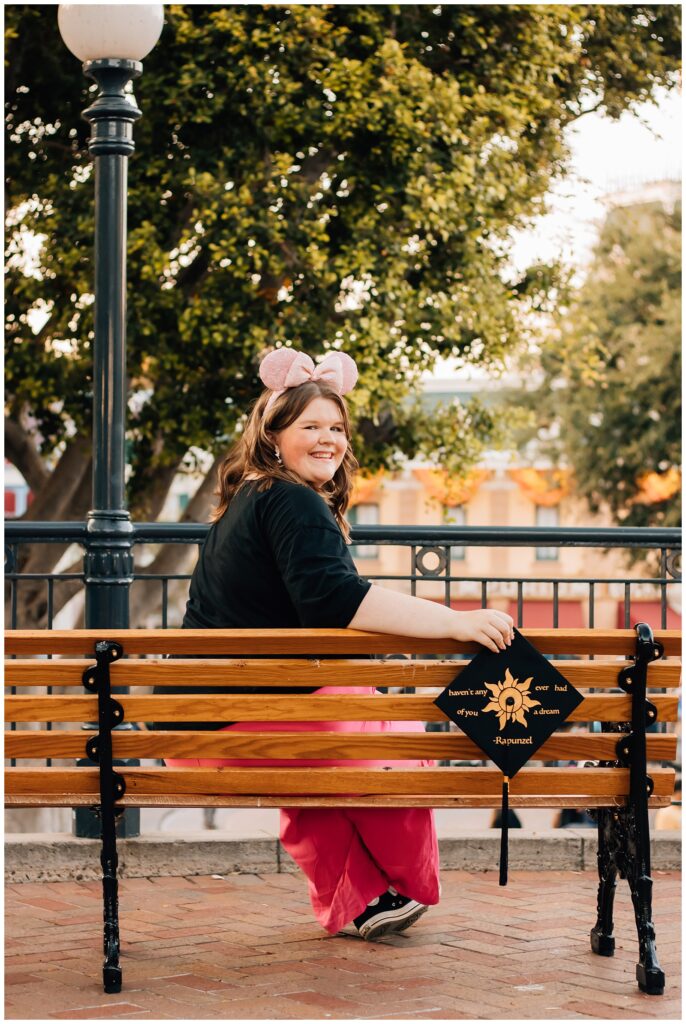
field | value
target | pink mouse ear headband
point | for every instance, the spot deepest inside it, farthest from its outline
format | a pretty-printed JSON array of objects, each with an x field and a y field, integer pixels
[{"x": 286, "y": 368}]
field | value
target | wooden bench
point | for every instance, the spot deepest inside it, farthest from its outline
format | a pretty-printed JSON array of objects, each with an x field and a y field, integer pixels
[{"x": 611, "y": 667}]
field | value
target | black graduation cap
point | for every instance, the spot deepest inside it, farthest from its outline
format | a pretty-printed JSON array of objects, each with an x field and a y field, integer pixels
[{"x": 509, "y": 702}]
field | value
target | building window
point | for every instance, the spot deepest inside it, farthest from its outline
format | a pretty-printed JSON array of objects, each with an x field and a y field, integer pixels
[
  {"x": 456, "y": 515},
  {"x": 364, "y": 515},
  {"x": 547, "y": 516}
]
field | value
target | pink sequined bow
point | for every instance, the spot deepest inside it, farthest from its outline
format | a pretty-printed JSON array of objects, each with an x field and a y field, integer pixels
[{"x": 286, "y": 368}]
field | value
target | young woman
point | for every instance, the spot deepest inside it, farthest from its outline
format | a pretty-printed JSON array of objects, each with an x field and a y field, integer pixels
[{"x": 276, "y": 556}]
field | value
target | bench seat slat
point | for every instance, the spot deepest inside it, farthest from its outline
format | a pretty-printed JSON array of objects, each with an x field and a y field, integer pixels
[
  {"x": 455, "y": 746},
  {"x": 292, "y": 672},
  {"x": 324, "y": 641},
  {"x": 179, "y": 800},
  {"x": 199, "y": 708},
  {"x": 605, "y": 782}
]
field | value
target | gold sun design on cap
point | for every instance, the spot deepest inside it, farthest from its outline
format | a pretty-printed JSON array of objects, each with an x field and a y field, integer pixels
[{"x": 510, "y": 699}]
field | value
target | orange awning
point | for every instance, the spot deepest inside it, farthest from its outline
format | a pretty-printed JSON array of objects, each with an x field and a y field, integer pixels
[
  {"x": 657, "y": 487},
  {"x": 366, "y": 488},
  {"x": 545, "y": 487},
  {"x": 450, "y": 490}
]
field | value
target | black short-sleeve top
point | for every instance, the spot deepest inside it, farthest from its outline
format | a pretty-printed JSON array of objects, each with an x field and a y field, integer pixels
[{"x": 275, "y": 559}]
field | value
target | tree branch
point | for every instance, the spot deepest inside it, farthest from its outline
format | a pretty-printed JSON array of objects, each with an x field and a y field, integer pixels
[
  {"x": 190, "y": 277},
  {"x": 312, "y": 167},
  {"x": 582, "y": 113},
  {"x": 22, "y": 453},
  {"x": 198, "y": 508},
  {"x": 377, "y": 434},
  {"x": 156, "y": 481},
  {"x": 53, "y": 498},
  {"x": 60, "y": 146},
  {"x": 82, "y": 496},
  {"x": 42, "y": 558}
]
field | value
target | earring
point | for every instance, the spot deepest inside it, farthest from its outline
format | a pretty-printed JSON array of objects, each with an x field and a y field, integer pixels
[{"x": 278, "y": 456}]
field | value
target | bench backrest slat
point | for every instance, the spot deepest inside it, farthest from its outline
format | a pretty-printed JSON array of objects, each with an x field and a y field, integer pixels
[
  {"x": 304, "y": 642},
  {"x": 305, "y": 708},
  {"x": 439, "y": 746},
  {"x": 291, "y": 672},
  {"x": 350, "y": 781}
]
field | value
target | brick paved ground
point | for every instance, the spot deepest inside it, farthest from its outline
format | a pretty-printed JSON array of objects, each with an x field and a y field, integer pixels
[{"x": 485, "y": 953}]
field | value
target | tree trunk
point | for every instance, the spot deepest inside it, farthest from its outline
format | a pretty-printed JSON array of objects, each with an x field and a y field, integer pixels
[
  {"x": 145, "y": 607},
  {"x": 55, "y": 497},
  {"x": 22, "y": 453},
  {"x": 65, "y": 496},
  {"x": 149, "y": 502}
]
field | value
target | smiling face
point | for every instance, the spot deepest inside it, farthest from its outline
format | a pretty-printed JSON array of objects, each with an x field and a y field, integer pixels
[{"x": 313, "y": 446}]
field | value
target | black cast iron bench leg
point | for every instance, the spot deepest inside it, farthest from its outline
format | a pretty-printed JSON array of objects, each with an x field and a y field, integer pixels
[
  {"x": 99, "y": 749},
  {"x": 649, "y": 974},
  {"x": 602, "y": 939},
  {"x": 624, "y": 832},
  {"x": 111, "y": 971}
]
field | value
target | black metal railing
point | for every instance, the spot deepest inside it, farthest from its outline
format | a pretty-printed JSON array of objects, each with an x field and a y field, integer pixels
[{"x": 424, "y": 545}]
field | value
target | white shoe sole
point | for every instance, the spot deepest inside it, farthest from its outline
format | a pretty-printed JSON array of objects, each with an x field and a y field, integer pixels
[{"x": 392, "y": 922}]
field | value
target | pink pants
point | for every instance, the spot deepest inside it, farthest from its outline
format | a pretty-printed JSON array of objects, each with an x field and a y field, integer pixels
[{"x": 349, "y": 855}]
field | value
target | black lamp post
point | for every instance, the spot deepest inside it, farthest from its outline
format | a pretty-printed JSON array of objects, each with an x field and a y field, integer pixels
[
  {"x": 111, "y": 40},
  {"x": 109, "y": 560}
]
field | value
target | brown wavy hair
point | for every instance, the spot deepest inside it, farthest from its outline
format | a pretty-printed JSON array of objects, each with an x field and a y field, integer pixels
[{"x": 253, "y": 453}]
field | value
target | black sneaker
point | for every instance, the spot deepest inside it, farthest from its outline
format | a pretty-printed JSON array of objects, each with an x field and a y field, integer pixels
[{"x": 389, "y": 912}]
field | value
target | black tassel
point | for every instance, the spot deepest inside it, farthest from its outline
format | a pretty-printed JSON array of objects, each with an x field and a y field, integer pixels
[{"x": 504, "y": 816}]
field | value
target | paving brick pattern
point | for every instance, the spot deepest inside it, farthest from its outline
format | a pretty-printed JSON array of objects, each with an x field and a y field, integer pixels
[{"x": 247, "y": 947}]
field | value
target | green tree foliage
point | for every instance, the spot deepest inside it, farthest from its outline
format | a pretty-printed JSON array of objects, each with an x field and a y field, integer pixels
[
  {"x": 612, "y": 370},
  {"x": 322, "y": 176}
]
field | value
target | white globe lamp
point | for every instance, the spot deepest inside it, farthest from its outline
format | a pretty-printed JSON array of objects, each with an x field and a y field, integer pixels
[{"x": 110, "y": 31}]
